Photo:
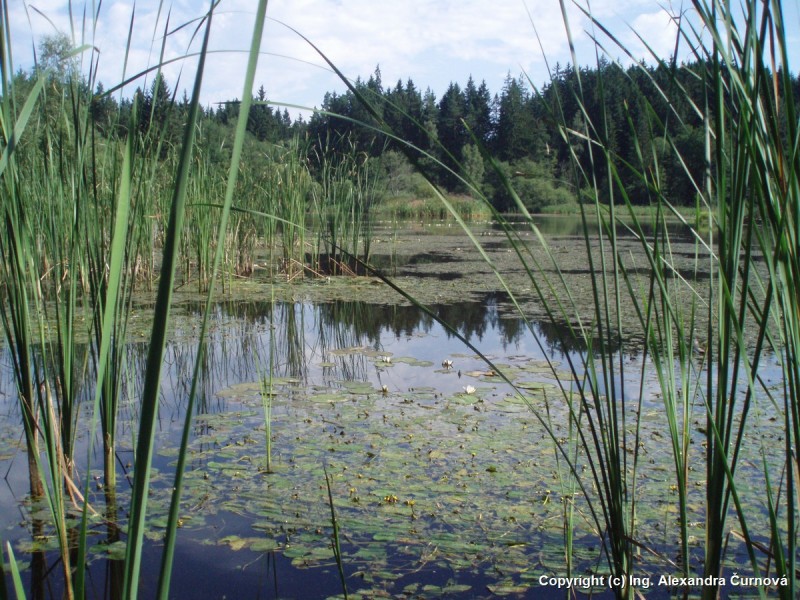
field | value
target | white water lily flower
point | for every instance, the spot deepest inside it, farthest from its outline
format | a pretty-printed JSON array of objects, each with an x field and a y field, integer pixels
[{"x": 469, "y": 389}]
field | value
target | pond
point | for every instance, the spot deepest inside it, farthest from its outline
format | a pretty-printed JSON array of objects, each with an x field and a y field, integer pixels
[{"x": 444, "y": 479}]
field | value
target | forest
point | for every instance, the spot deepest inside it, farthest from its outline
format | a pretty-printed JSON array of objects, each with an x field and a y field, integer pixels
[{"x": 466, "y": 140}]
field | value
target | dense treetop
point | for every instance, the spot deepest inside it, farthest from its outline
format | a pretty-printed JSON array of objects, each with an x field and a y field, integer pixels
[{"x": 452, "y": 136}]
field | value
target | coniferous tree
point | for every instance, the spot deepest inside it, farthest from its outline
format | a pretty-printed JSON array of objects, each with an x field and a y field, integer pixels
[
  {"x": 478, "y": 111},
  {"x": 103, "y": 110},
  {"x": 452, "y": 133},
  {"x": 430, "y": 118},
  {"x": 515, "y": 133},
  {"x": 260, "y": 119}
]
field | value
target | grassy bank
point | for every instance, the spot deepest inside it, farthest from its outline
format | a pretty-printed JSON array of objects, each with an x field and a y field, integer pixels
[{"x": 409, "y": 207}]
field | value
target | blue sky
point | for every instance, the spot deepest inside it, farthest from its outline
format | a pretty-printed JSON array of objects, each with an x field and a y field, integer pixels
[{"x": 431, "y": 41}]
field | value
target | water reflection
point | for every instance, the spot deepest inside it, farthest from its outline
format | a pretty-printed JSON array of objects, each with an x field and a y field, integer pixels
[
  {"x": 301, "y": 341},
  {"x": 303, "y": 329},
  {"x": 572, "y": 226}
]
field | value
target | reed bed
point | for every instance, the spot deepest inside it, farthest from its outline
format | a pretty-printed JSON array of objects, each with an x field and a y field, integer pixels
[
  {"x": 704, "y": 336},
  {"x": 87, "y": 219},
  {"x": 350, "y": 186}
]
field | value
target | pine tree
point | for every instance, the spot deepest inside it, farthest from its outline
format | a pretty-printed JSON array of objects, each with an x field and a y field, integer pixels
[
  {"x": 451, "y": 111},
  {"x": 478, "y": 111},
  {"x": 515, "y": 131},
  {"x": 260, "y": 121}
]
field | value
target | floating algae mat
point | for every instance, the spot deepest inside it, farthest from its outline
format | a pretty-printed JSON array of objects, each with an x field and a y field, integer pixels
[{"x": 444, "y": 478}]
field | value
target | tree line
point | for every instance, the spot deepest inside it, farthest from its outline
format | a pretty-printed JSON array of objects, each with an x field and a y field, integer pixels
[{"x": 452, "y": 137}]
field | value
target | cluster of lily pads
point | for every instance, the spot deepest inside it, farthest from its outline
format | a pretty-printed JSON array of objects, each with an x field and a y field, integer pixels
[{"x": 465, "y": 481}]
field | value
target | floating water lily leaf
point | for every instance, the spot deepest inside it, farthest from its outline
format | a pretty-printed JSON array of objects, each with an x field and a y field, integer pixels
[
  {"x": 372, "y": 554},
  {"x": 432, "y": 589},
  {"x": 538, "y": 367},
  {"x": 349, "y": 351},
  {"x": 357, "y": 387},
  {"x": 328, "y": 397},
  {"x": 456, "y": 588},
  {"x": 535, "y": 385},
  {"x": 465, "y": 399},
  {"x": 113, "y": 551},
  {"x": 235, "y": 542},
  {"x": 506, "y": 589},
  {"x": 241, "y": 390},
  {"x": 480, "y": 373},
  {"x": 414, "y": 362}
]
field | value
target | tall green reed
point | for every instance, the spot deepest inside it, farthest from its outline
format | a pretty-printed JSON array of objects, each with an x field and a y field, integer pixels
[
  {"x": 735, "y": 302},
  {"x": 749, "y": 191},
  {"x": 349, "y": 187},
  {"x": 43, "y": 267},
  {"x": 255, "y": 45},
  {"x": 747, "y": 203},
  {"x": 752, "y": 184},
  {"x": 288, "y": 188},
  {"x": 82, "y": 218}
]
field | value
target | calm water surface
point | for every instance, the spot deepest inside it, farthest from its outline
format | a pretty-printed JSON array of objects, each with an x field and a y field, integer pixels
[{"x": 445, "y": 482}]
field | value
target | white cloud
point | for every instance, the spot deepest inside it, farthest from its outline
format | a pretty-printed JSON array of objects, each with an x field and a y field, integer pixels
[
  {"x": 654, "y": 32},
  {"x": 431, "y": 41}
]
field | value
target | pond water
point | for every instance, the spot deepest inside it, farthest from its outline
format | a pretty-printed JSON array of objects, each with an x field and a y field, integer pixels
[{"x": 444, "y": 478}]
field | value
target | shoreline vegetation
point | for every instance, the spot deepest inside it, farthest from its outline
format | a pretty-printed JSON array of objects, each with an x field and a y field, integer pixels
[
  {"x": 105, "y": 200},
  {"x": 469, "y": 208}
]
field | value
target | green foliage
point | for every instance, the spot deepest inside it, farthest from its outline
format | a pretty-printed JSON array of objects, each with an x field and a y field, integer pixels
[
  {"x": 473, "y": 165},
  {"x": 57, "y": 58},
  {"x": 351, "y": 184},
  {"x": 532, "y": 182},
  {"x": 398, "y": 173},
  {"x": 87, "y": 187}
]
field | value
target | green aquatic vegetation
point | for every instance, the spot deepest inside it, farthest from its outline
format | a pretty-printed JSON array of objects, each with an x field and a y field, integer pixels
[
  {"x": 737, "y": 286},
  {"x": 335, "y": 544},
  {"x": 350, "y": 186},
  {"x": 461, "y": 472}
]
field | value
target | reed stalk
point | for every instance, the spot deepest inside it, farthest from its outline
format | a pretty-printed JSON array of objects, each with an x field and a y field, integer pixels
[
  {"x": 172, "y": 527},
  {"x": 266, "y": 385},
  {"x": 749, "y": 192},
  {"x": 337, "y": 550},
  {"x": 82, "y": 217}
]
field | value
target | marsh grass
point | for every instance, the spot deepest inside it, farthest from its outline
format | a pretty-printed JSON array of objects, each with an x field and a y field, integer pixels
[
  {"x": 426, "y": 209},
  {"x": 82, "y": 218},
  {"x": 749, "y": 188},
  {"x": 350, "y": 186},
  {"x": 748, "y": 194},
  {"x": 704, "y": 336}
]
